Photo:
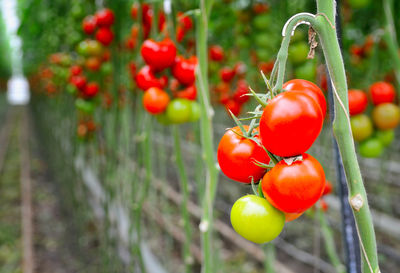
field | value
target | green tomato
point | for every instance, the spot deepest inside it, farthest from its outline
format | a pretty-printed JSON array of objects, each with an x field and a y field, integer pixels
[
  {"x": 163, "y": 119},
  {"x": 386, "y": 137},
  {"x": 106, "y": 68},
  {"x": 179, "y": 110},
  {"x": 263, "y": 54},
  {"x": 298, "y": 52},
  {"x": 195, "y": 111},
  {"x": 71, "y": 89},
  {"x": 358, "y": 4},
  {"x": 82, "y": 48},
  {"x": 262, "y": 21},
  {"x": 256, "y": 220},
  {"x": 307, "y": 71},
  {"x": 85, "y": 106},
  {"x": 361, "y": 126},
  {"x": 243, "y": 41},
  {"x": 371, "y": 147},
  {"x": 263, "y": 40}
]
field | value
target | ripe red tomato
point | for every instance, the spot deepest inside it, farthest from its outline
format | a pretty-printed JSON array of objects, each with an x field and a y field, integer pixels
[
  {"x": 185, "y": 21},
  {"x": 189, "y": 93},
  {"x": 79, "y": 82},
  {"x": 233, "y": 106},
  {"x": 155, "y": 100},
  {"x": 180, "y": 33},
  {"x": 184, "y": 70},
  {"x": 75, "y": 70},
  {"x": 308, "y": 88},
  {"x": 216, "y": 53},
  {"x": 240, "y": 94},
  {"x": 294, "y": 188},
  {"x": 105, "y": 17},
  {"x": 89, "y": 24},
  {"x": 93, "y": 63},
  {"x": 386, "y": 116},
  {"x": 158, "y": 55},
  {"x": 290, "y": 123},
  {"x": 226, "y": 74},
  {"x": 91, "y": 89},
  {"x": 145, "y": 79},
  {"x": 130, "y": 43},
  {"x": 382, "y": 92},
  {"x": 292, "y": 216},
  {"x": 328, "y": 188},
  {"x": 358, "y": 101},
  {"x": 104, "y": 35},
  {"x": 237, "y": 156}
]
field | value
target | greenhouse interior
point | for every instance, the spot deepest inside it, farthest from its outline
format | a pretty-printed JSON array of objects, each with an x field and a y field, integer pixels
[{"x": 199, "y": 136}]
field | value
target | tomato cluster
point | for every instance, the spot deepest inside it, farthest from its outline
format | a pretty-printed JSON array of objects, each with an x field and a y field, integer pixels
[
  {"x": 291, "y": 183},
  {"x": 375, "y": 130}
]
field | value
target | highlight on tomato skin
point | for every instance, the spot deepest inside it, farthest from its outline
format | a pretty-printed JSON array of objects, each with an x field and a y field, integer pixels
[
  {"x": 237, "y": 156},
  {"x": 358, "y": 101},
  {"x": 382, "y": 92},
  {"x": 296, "y": 187},
  {"x": 290, "y": 123},
  {"x": 155, "y": 100}
]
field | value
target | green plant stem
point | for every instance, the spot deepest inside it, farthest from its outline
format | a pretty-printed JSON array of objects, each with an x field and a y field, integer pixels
[
  {"x": 184, "y": 182},
  {"x": 206, "y": 134},
  {"x": 390, "y": 38},
  {"x": 269, "y": 262},
  {"x": 342, "y": 132},
  {"x": 329, "y": 242}
]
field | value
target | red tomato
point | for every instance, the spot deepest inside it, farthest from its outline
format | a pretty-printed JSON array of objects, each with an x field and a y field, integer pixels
[
  {"x": 233, "y": 106},
  {"x": 89, "y": 24},
  {"x": 237, "y": 155},
  {"x": 104, "y": 35},
  {"x": 180, "y": 33},
  {"x": 105, "y": 17},
  {"x": 185, "y": 21},
  {"x": 79, "y": 82},
  {"x": 91, "y": 89},
  {"x": 132, "y": 69},
  {"x": 158, "y": 55},
  {"x": 294, "y": 188},
  {"x": 189, "y": 93},
  {"x": 184, "y": 70},
  {"x": 382, "y": 92},
  {"x": 155, "y": 100},
  {"x": 241, "y": 92},
  {"x": 292, "y": 216},
  {"x": 323, "y": 205},
  {"x": 161, "y": 21},
  {"x": 216, "y": 53},
  {"x": 358, "y": 101},
  {"x": 266, "y": 67},
  {"x": 308, "y": 88},
  {"x": 226, "y": 74},
  {"x": 134, "y": 10},
  {"x": 130, "y": 43},
  {"x": 290, "y": 123},
  {"x": 328, "y": 188},
  {"x": 75, "y": 70},
  {"x": 145, "y": 79}
]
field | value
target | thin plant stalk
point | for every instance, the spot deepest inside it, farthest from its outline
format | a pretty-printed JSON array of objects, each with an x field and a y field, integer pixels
[
  {"x": 270, "y": 257},
  {"x": 184, "y": 183}
]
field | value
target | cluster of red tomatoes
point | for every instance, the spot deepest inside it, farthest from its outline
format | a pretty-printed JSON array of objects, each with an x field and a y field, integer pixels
[
  {"x": 233, "y": 101},
  {"x": 293, "y": 181},
  {"x": 100, "y": 24},
  {"x": 375, "y": 130}
]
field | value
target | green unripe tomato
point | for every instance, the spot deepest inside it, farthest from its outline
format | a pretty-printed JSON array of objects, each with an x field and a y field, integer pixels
[
  {"x": 263, "y": 54},
  {"x": 262, "y": 40},
  {"x": 242, "y": 41},
  {"x": 371, "y": 147},
  {"x": 195, "y": 111},
  {"x": 106, "y": 68},
  {"x": 307, "y": 71},
  {"x": 256, "y": 220},
  {"x": 179, "y": 110},
  {"x": 82, "y": 48},
  {"x": 262, "y": 21},
  {"x": 71, "y": 89},
  {"x": 298, "y": 52},
  {"x": 386, "y": 137},
  {"x": 361, "y": 126},
  {"x": 85, "y": 106}
]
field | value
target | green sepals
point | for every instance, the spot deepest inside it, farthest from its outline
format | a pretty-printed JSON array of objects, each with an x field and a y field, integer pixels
[
  {"x": 263, "y": 165},
  {"x": 238, "y": 123},
  {"x": 260, "y": 192},
  {"x": 258, "y": 97}
]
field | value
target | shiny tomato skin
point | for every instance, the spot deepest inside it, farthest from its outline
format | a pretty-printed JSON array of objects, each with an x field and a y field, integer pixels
[
  {"x": 371, "y": 148},
  {"x": 386, "y": 137},
  {"x": 358, "y": 101},
  {"x": 79, "y": 82},
  {"x": 184, "y": 70},
  {"x": 292, "y": 216},
  {"x": 237, "y": 156},
  {"x": 294, "y": 188},
  {"x": 145, "y": 79},
  {"x": 179, "y": 111},
  {"x": 382, "y": 92},
  {"x": 189, "y": 93},
  {"x": 91, "y": 89},
  {"x": 216, "y": 53},
  {"x": 158, "y": 55},
  {"x": 290, "y": 123},
  {"x": 105, "y": 36},
  {"x": 256, "y": 220},
  {"x": 361, "y": 127},
  {"x": 104, "y": 17},
  {"x": 386, "y": 116},
  {"x": 89, "y": 24},
  {"x": 240, "y": 95},
  {"x": 310, "y": 89},
  {"x": 155, "y": 100}
]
